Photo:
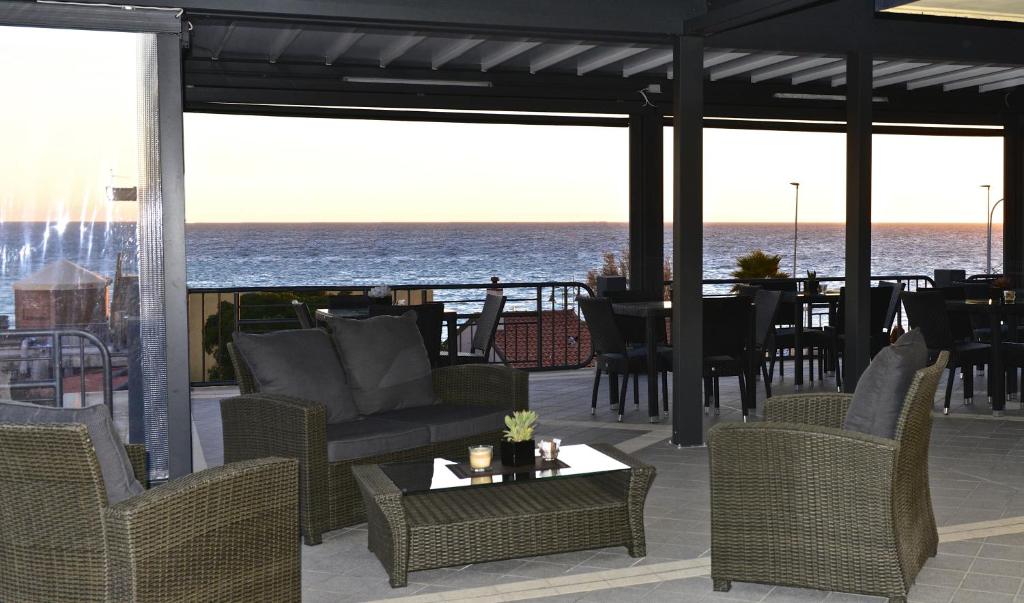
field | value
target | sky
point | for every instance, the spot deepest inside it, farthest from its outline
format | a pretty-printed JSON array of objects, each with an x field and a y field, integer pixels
[{"x": 67, "y": 118}]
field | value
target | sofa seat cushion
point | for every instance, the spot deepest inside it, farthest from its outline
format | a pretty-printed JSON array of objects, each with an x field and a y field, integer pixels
[
  {"x": 301, "y": 363},
  {"x": 386, "y": 362},
  {"x": 448, "y": 422},
  {"x": 372, "y": 436},
  {"x": 115, "y": 467},
  {"x": 881, "y": 391}
]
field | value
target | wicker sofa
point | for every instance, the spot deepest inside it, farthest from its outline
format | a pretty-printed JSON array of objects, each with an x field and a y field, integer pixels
[
  {"x": 258, "y": 425},
  {"x": 223, "y": 534},
  {"x": 797, "y": 501}
]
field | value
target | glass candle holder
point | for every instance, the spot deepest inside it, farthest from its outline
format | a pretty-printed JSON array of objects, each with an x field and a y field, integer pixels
[
  {"x": 480, "y": 457},
  {"x": 549, "y": 448},
  {"x": 1010, "y": 296}
]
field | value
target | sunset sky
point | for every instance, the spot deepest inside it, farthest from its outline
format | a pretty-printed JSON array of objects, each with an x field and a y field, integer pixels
[{"x": 67, "y": 117}]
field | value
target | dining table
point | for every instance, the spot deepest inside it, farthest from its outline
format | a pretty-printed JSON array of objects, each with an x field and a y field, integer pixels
[
  {"x": 998, "y": 313},
  {"x": 451, "y": 320},
  {"x": 803, "y": 302}
]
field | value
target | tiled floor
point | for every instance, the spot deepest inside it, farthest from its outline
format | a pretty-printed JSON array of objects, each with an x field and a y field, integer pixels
[{"x": 976, "y": 476}]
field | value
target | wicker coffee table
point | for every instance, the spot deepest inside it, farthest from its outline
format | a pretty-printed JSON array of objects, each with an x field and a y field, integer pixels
[{"x": 422, "y": 516}]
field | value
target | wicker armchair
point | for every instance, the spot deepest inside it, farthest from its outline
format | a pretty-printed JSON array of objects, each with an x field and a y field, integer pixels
[
  {"x": 797, "y": 501},
  {"x": 258, "y": 425},
  {"x": 224, "y": 534}
]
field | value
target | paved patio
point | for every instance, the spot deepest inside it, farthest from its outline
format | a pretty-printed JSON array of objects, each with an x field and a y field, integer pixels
[{"x": 977, "y": 490}]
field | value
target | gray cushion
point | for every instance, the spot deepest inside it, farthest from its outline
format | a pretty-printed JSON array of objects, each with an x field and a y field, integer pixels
[
  {"x": 118, "y": 476},
  {"x": 881, "y": 390},
  {"x": 452, "y": 422},
  {"x": 385, "y": 361},
  {"x": 302, "y": 364},
  {"x": 372, "y": 436}
]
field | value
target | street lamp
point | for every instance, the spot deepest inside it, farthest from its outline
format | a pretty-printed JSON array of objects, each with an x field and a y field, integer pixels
[{"x": 796, "y": 220}]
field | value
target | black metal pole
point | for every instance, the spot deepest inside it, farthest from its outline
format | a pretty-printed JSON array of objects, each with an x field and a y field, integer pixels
[
  {"x": 646, "y": 201},
  {"x": 858, "y": 216},
  {"x": 688, "y": 238},
  {"x": 1013, "y": 199}
]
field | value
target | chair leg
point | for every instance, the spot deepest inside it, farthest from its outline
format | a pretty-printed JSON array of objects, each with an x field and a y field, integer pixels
[
  {"x": 720, "y": 585},
  {"x": 744, "y": 396},
  {"x": 636, "y": 390},
  {"x": 968, "y": 374},
  {"x": 664, "y": 389},
  {"x": 949, "y": 390},
  {"x": 597, "y": 385},
  {"x": 613, "y": 388},
  {"x": 708, "y": 392},
  {"x": 622, "y": 396},
  {"x": 767, "y": 380},
  {"x": 714, "y": 381}
]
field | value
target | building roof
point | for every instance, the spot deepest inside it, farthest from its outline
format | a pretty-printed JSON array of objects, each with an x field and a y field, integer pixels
[{"x": 61, "y": 275}]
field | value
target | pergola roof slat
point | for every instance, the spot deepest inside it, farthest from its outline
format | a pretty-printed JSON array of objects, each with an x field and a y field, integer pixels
[
  {"x": 557, "y": 54},
  {"x": 745, "y": 64},
  {"x": 506, "y": 52},
  {"x": 983, "y": 79},
  {"x": 953, "y": 76},
  {"x": 454, "y": 50},
  {"x": 606, "y": 57},
  {"x": 791, "y": 66},
  {"x": 645, "y": 62}
]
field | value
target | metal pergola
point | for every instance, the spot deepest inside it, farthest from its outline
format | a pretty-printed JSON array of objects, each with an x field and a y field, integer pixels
[{"x": 847, "y": 65}]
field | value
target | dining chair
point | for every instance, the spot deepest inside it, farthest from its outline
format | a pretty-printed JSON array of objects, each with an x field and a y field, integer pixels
[
  {"x": 614, "y": 357},
  {"x": 728, "y": 338},
  {"x": 634, "y": 328},
  {"x": 303, "y": 314},
  {"x": 766, "y": 306},
  {"x": 879, "y": 323},
  {"x": 429, "y": 320},
  {"x": 483, "y": 337},
  {"x": 926, "y": 309}
]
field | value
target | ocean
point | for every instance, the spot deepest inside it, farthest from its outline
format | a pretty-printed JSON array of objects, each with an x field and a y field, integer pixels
[{"x": 251, "y": 255}]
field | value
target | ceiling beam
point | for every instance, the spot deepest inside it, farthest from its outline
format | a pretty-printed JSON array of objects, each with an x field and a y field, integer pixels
[
  {"x": 882, "y": 68},
  {"x": 400, "y": 46},
  {"x": 953, "y": 76},
  {"x": 504, "y": 53},
  {"x": 597, "y": 60},
  {"x": 916, "y": 73},
  {"x": 222, "y": 43},
  {"x": 819, "y": 73},
  {"x": 742, "y": 12},
  {"x": 1002, "y": 84},
  {"x": 453, "y": 50},
  {"x": 283, "y": 41},
  {"x": 557, "y": 54},
  {"x": 791, "y": 66},
  {"x": 745, "y": 64},
  {"x": 982, "y": 80},
  {"x": 647, "y": 61},
  {"x": 340, "y": 46}
]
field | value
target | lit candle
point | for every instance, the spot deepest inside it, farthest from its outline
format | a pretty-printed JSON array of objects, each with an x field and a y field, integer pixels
[
  {"x": 549, "y": 448},
  {"x": 480, "y": 457}
]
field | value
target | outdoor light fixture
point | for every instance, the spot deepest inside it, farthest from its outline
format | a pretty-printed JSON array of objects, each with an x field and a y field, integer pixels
[
  {"x": 991, "y": 213},
  {"x": 822, "y": 97},
  {"x": 796, "y": 220},
  {"x": 416, "y": 82}
]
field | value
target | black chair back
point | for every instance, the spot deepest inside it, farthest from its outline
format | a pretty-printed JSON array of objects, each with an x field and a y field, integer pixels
[
  {"x": 348, "y": 301},
  {"x": 605, "y": 335},
  {"x": 961, "y": 324},
  {"x": 766, "y": 305},
  {"x": 745, "y": 290},
  {"x": 926, "y": 309},
  {"x": 894, "y": 302},
  {"x": 786, "y": 313},
  {"x": 487, "y": 323},
  {"x": 727, "y": 326},
  {"x": 303, "y": 314},
  {"x": 880, "y": 299},
  {"x": 429, "y": 320},
  {"x": 634, "y": 328}
]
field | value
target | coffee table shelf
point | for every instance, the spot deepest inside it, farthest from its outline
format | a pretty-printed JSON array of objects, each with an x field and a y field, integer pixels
[{"x": 473, "y": 524}]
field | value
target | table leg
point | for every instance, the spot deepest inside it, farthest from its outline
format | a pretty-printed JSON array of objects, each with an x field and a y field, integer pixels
[
  {"x": 651, "y": 321},
  {"x": 998, "y": 379},
  {"x": 453, "y": 339},
  {"x": 798, "y": 351}
]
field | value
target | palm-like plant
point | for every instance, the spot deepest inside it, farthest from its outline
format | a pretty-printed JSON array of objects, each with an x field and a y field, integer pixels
[{"x": 758, "y": 264}]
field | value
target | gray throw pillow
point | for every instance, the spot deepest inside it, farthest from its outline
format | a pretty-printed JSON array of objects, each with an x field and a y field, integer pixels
[
  {"x": 878, "y": 399},
  {"x": 301, "y": 364},
  {"x": 386, "y": 362},
  {"x": 116, "y": 469}
]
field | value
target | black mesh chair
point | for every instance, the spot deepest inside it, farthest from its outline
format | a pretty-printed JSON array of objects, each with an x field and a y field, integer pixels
[
  {"x": 483, "y": 338},
  {"x": 303, "y": 314},
  {"x": 634, "y": 328},
  {"x": 927, "y": 310},
  {"x": 766, "y": 306},
  {"x": 614, "y": 357},
  {"x": 880, "y": 320},
  {"x": 356, "y": 301},
  {"x": 784, "y": 336},
  {"x": 429, "y": 319},
  {"x": 728, "y": 338}
]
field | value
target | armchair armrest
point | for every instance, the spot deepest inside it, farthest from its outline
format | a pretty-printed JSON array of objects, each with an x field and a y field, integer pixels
[
  {"x": 826, "y": 410},
  {"x": 262, "y": 425},
  {"x": 137, "y": 456},
  {"x": 226, "y": 533},
  {"x": 788, "y": 491},
  {"x": 483, "y": 384}
]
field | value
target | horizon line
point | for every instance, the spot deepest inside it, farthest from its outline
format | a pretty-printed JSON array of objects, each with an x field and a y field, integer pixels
[{"x": 438, "y": 222}]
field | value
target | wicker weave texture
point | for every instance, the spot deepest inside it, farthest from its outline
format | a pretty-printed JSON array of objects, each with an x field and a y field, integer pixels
[
  {"x": 258, "y": 425},
  {"x": 225, "y": 534},
  {"x": 809, "y": 505},
  {"x": 538, "y": 517}
]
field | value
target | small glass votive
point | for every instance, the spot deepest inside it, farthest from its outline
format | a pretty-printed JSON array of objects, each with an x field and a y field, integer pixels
[
  {"x": 549, "y": 448},
  {"x": 480, "y": 480},
  {"x": 480, "y": 457},
  {"x": 1010, "y": 296}
]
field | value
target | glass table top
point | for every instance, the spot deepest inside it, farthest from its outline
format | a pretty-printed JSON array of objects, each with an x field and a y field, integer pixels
[{"x": 427, "y": 476}]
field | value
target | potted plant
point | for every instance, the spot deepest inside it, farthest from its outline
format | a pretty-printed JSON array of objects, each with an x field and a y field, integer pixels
[
  {"x": 517, "y": 446},
  {"x": 811, "y": 285}
]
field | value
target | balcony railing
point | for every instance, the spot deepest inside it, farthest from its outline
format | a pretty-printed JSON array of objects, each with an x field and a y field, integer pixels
[{"x": 540, "y": 328}]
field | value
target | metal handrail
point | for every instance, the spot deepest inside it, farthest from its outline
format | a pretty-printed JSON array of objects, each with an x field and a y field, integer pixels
[{"x": 57, "y": 359}]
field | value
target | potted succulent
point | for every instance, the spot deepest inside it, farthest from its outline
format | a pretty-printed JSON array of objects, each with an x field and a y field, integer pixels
[
  {"x": 517, "y": 447},
  {"x": 811, "y": 285}
]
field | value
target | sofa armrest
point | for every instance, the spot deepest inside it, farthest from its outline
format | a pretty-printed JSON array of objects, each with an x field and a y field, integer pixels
[
  {"x": 262, "y": 425},
  {"x": 137, "y": 456},
  {"x": 501, "y": 386},
  {"x": 826, "y": 410},
  {"x": 226, "y": 533}
]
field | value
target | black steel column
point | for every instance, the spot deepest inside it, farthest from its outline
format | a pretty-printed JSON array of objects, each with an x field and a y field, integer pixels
[
  {"x": 1013, "y": 199},
  {"x": 688, "y": 240},
  {"x": 858, "y": 216},
  {"x": 646, "y": 201}
]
